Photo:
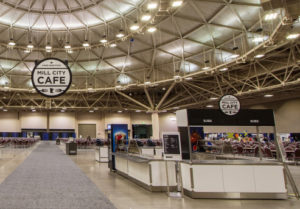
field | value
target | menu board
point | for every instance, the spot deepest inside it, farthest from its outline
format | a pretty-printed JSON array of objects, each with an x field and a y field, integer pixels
[{"x": 171, "y": 144}]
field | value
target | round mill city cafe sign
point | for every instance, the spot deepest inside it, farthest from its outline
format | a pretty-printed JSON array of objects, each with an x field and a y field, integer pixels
[
  {"x": 229, "y": 105},
  {"x": 51, "y": 77}
]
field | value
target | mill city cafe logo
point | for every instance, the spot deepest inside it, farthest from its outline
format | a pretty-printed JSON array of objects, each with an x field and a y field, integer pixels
[{"x": 51, "y": 77}]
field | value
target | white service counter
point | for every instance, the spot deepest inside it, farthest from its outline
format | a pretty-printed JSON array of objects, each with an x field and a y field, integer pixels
[
  {"x": 101, "y": 154},
  {"x": 152, "y": 151},
  {"x": 236, "y": 180},
  {"x": 148, "y": 172}
]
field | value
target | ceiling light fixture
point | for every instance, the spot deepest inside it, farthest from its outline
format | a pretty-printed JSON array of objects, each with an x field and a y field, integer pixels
[
  {"x": 120, "y": 111},
  {"x": 258, "y": 39},
  {"x": 259, "y": 56},
  {"x": 223, "y": 69},
  {"x": 70, "y": 51},
  {"x": 268, "y": 95},
  {"x": 103, "y": 40},
  {"x": 120, "y": 34},
  {"x": 67, "y": 46},
  {"x": 30, "y": 46},
  {"x": 137, "y": 111},
  {"x": 177, "y": 3},
  {"x": 189, "y": 78},
  {"x": 85, "y": 44},
  {"x": 11, "y": 43},
  {"x": 147, "y": 82},
  {"x": 177, "y": 77},
  {"x": 27, "y": 51},
  {"x": 4, "y": 110},
  {"x": 209, "y": 106},
  {"x": 206, "y": 68},
  {"x": 271, "y": 16},
  {"x": 152, "y": 5},
  {"x": 134, "y": 27},
  {"x": 112, "y": 45},
  {"x": 151, "y": 29},
  {"x": 293, "y": 36},
  {"x": 146, "y": 17},
  {"x": 91, "y": 111},
  {"x": 213, "y": 98}
]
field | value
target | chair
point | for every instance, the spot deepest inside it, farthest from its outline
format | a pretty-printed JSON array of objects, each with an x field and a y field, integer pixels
[
  {"x": 297, "y": 156},
  {"x": 268, "y": 153}
]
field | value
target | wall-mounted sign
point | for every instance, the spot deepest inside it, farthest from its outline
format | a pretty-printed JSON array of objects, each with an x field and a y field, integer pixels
[
  {"x": 230, "y": 105},
  {"x": 172, "y": 146},
  {"x": 51, "y": 77}
]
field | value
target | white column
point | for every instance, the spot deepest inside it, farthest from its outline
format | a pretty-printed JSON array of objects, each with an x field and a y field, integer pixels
[{"x": 155, "y": 125}]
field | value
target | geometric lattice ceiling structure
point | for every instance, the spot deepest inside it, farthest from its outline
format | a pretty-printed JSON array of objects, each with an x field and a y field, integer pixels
[{"x": 199, "y": 51}]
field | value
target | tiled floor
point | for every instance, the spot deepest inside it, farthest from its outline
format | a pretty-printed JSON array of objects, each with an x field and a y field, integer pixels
[
  {"x": 127, "y": 195},
  {"x": 11, "y": 158}
]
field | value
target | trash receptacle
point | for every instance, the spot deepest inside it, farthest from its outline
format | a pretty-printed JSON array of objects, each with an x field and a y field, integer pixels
[
  {"x": 71, "y": 148},
  {"x": 57, "y": 141}
]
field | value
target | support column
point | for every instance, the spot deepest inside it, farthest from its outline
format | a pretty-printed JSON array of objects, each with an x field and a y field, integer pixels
[{"x": 155, "y": 125}]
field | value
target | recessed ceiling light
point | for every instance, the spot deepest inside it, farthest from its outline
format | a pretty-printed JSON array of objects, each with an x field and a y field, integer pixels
[
  {"x": 258, "y": 39},
  {"x": 259, "y": 56},
  {"x": 209, "y": 106},
  {"x": 177, "y": 3},
  {"x": 33, "y": 110},
  {"x": 293, "y": 36},
  {"x": 67, "y": 46},
  {"x": 30, "y": 46},
  {"x": 213, "y": 98},
  {"x": 134, "y": 27},
  {"x": 223, "y": 69},
  {"x": 85, "y": 44},
  {"x": 163, "y": 88},
  {"x": 120, "y": 111},
  {"x": 103, "y": 40},
  {"x": 137, "y": 111},
  {"x": 113, "y": 45},
  {"x": 146, "y": 17},
  {"x": 152, "y": 5},
  {"x": 120, "y": 34},
  {"x": 189, "y": 78},
  {"x": 271, "y": 16},
  {"x": 151, "y": 29},
  {"x": 91, "y": 111},
  {"x": 268, "y": 95},
  {"x": 11, "y": 42}
]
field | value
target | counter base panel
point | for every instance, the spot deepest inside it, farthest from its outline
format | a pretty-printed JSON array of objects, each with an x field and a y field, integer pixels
[
  {"x": 233, "y": 195},
  {"x": 145, "y": 186}
]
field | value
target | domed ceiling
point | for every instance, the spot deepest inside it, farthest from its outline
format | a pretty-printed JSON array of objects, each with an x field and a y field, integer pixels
[{"x": 147, "y": 55}]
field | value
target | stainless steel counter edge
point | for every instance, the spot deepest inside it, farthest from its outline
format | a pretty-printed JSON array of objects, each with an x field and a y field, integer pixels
[
  {"x": 138, "y": 159},
  {"x": 230, "y": 162}
]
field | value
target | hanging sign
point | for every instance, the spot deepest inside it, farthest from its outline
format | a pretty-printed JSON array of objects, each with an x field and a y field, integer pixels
[
  {"x": 51, "y": 77},
  {"x": 229, "y": 105}
]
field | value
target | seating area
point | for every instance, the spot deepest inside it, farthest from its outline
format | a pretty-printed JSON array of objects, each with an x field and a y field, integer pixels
[{"x": 17, "y": 142}]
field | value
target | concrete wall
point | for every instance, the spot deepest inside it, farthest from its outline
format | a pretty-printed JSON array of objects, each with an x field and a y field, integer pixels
[
  {"x": 33, "y": 120},
  {"x": 9, "y": 122},
  {"x": 287, "y": 115}
]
